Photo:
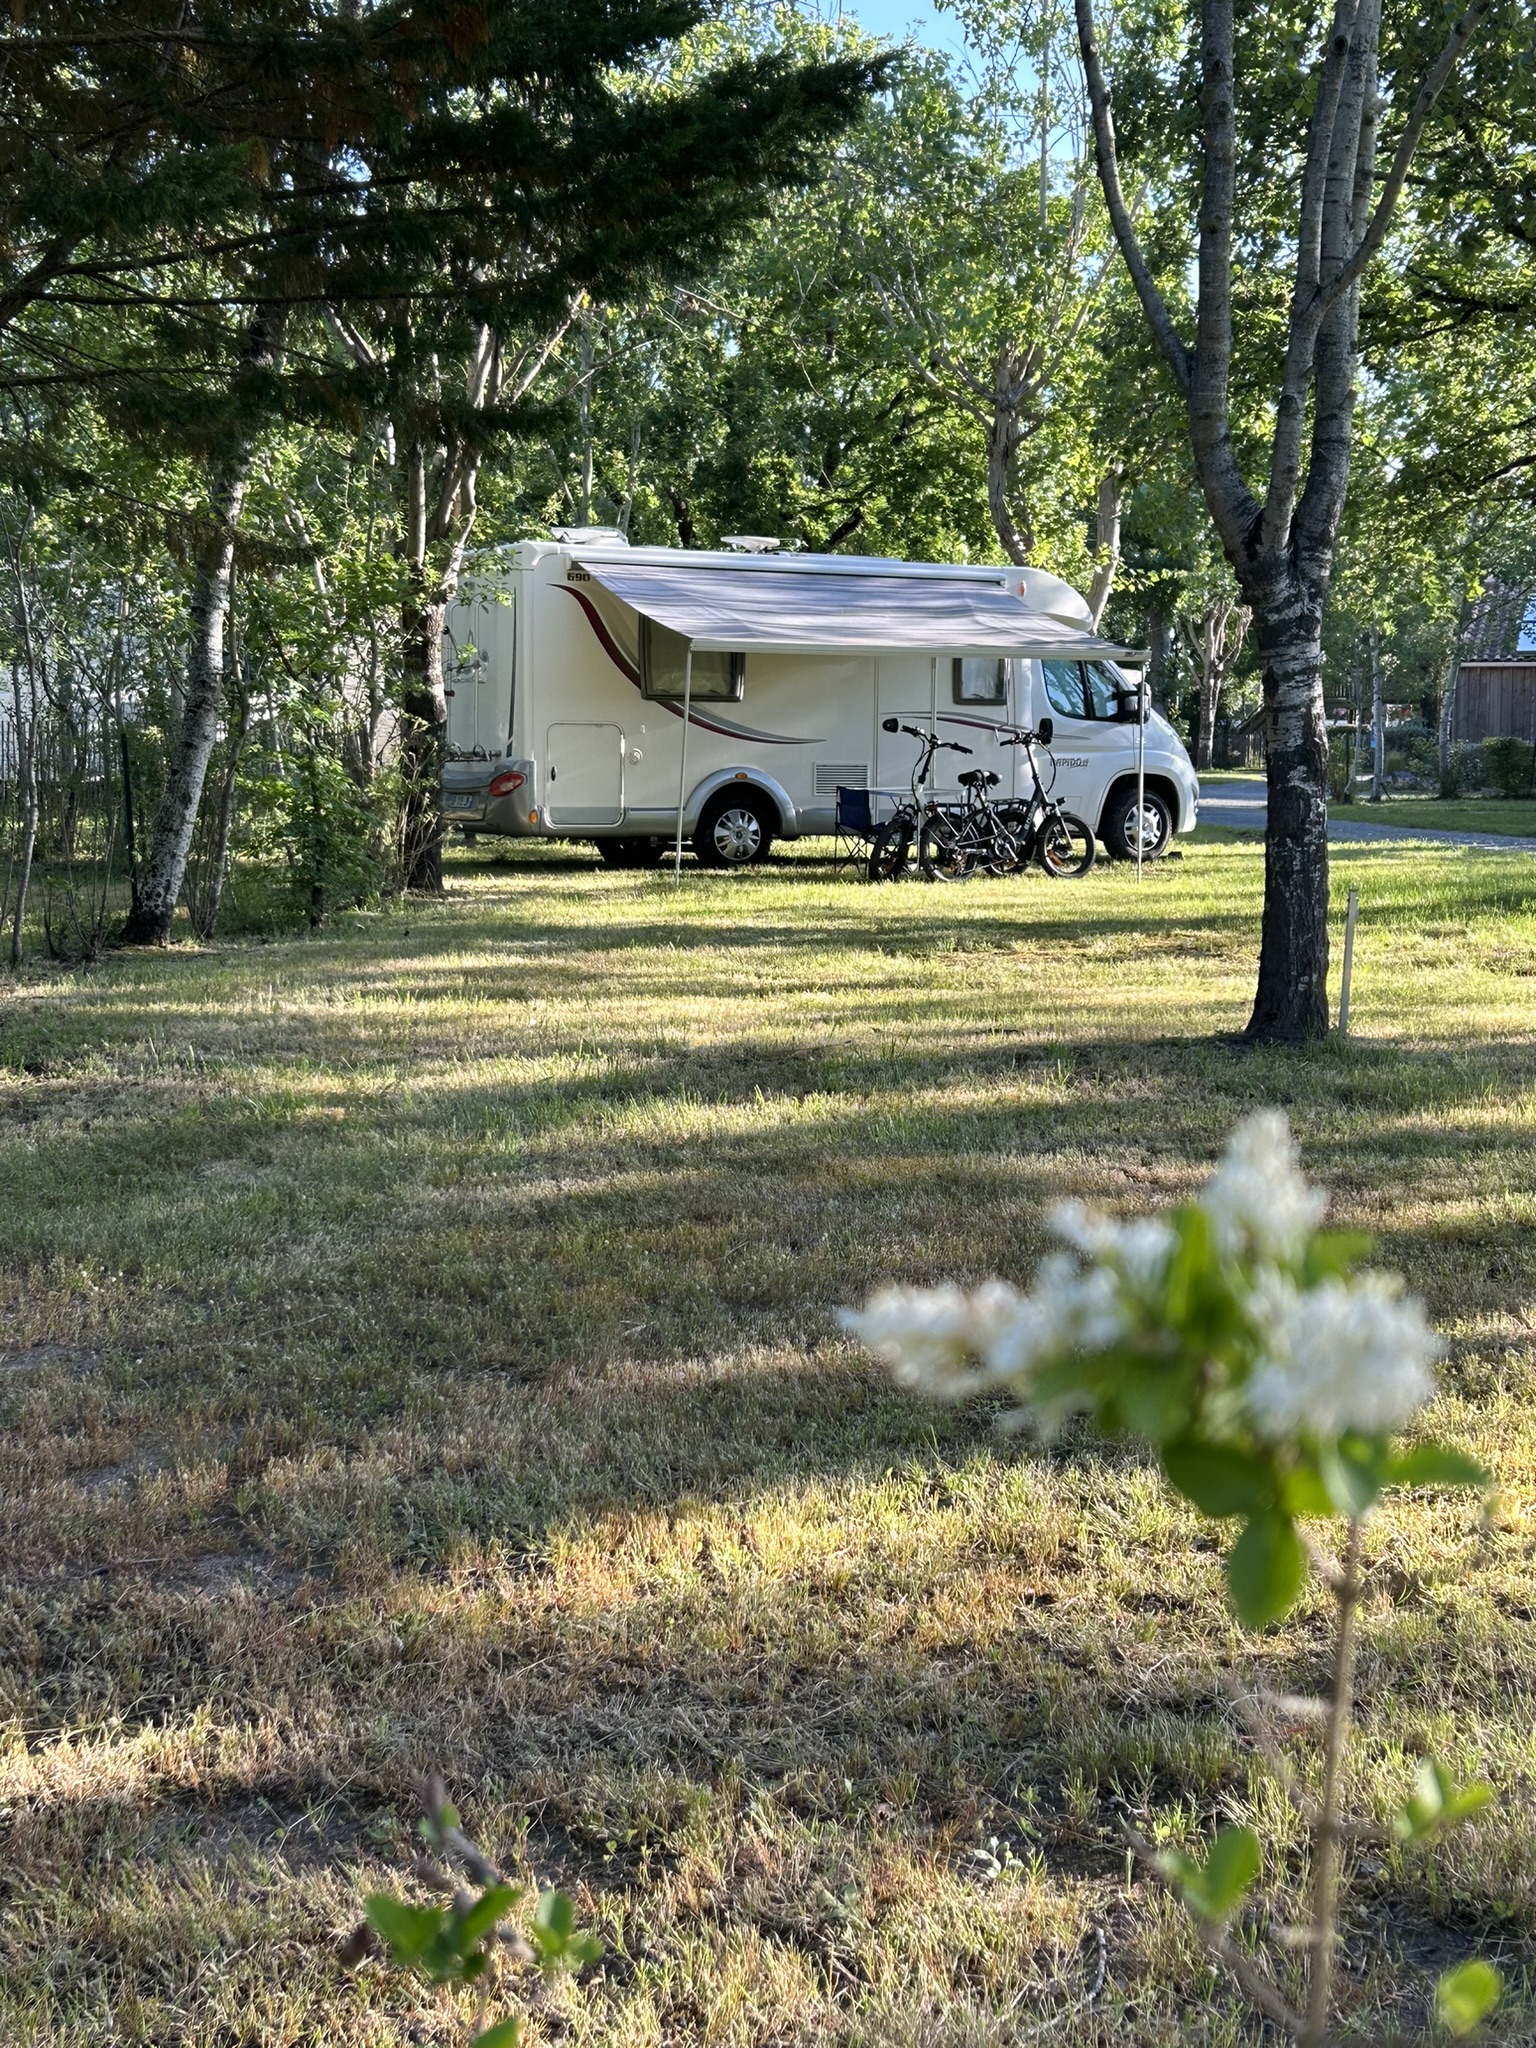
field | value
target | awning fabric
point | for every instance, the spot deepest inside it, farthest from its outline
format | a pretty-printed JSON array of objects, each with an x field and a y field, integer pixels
[{"x": 740, "y": 609}]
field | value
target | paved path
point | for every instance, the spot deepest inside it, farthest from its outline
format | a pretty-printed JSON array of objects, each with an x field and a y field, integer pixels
[{"x": 1241, "y": 802}]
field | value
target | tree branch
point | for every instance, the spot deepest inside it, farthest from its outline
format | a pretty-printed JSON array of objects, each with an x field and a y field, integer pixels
[
  {"x": 1153, "y": 303},
  {"x": 1397, "y": 175}
]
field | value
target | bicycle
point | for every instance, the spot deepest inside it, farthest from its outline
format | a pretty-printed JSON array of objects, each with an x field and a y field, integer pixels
[
  {"x": 891, "y": 848},
  {"x": 955, "y": 842},
  {"x": 1002, "y": 838}
]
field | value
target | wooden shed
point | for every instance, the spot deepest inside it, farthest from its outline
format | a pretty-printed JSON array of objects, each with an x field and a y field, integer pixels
[{"x": 1494, "y": 698}]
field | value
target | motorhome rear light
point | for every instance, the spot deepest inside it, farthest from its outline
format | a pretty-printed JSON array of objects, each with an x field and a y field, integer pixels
[{"x": 508, "y": 780}]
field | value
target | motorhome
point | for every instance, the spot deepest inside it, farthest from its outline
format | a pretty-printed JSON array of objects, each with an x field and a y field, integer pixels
[{"x": 643, "y": 697}]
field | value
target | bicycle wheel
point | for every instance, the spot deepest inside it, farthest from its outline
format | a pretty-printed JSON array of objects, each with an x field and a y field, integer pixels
[
  {"x": 1066, "y": 849},
  {"x": 946, "y": 852},
  {"x": 890, "y": 850}
]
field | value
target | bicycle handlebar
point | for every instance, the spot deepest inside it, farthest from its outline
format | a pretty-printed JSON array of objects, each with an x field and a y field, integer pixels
[{"x": 929, "y": 739}]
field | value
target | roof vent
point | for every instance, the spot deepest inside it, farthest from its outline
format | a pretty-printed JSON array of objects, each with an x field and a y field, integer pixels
[
  {"x": 591, "y": 536},
  {"x": 751, "y": 543}
]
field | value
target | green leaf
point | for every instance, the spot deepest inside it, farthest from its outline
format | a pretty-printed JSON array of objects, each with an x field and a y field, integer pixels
[
  {"x": 1332, "y": 1254},
  {"x": 1154, "y": 1398},
  {"x": 1219, "y": 1480},
  {"x": 406, "y": 1931},
  {"x": 1466, "y": 1995},
  {"x": 1214, "y": 1890},
  {"x": 1231, "y": 1868},
  {"x": 1191, "y": 1256},
  {"x": 1437, "y": 1465},
  {"x": 1303, "y": 1491},
  {"x": 504, "y": 2034},
  {"x": 1437, "y": 1801},
  {"x": 555, "y": 1915},
  {"x": 492, "y": 1907},
  {"x": 1266, "y": 1569},
  {"x": 1354, "y": 1471}
]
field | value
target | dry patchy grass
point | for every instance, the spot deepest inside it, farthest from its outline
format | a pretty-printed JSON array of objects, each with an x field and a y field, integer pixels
[{"x": 420, "y": 1348}]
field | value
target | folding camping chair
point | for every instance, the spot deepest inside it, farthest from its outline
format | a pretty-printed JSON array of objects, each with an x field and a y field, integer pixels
[{"x": 854, "y": 828}]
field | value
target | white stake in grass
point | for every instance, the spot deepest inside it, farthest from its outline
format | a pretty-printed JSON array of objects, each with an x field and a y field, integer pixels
[{"x": 1349, "y": 960}]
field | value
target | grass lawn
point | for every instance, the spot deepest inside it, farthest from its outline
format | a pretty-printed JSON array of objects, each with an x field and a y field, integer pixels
[
  {"x": 1515, "y": 816},
  {"x": 420, "y": 1349}
]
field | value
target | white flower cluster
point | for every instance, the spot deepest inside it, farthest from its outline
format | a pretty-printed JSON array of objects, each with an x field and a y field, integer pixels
[
  {"x": 1257, "y": 1201},
  {"x": 1344, "y": 1355},
  {"x": 944, "y": 1342},
  {"x": 1139, "y": 1250}
]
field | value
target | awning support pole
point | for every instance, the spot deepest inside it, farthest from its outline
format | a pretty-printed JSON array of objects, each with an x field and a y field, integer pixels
[
  {"x": 682, "y": 766},
  {"x": 1141, "y": 769}
]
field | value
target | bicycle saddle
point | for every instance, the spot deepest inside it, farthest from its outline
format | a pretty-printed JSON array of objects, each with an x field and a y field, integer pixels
[{"x": 978, "y": 778}]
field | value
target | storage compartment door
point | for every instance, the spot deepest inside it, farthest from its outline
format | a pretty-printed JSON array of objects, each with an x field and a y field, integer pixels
[{"x": 584, "y": 776}]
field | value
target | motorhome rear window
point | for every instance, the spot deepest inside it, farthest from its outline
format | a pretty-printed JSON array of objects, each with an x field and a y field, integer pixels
[
  {"x": 716, "y": 677},
  {"x": 980, "y": 679}
]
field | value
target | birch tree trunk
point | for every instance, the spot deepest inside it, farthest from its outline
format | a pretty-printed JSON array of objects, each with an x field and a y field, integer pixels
[
  {"x": 1107, "y": 545},
  {"x": 165, "y": 866},
  {"x": 1281, "y": 545}
]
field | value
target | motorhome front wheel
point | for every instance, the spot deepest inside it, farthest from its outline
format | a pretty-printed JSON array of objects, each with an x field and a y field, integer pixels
[
  {"x": 1118, "y": 828},
  {"x": 733, "y": 832}
]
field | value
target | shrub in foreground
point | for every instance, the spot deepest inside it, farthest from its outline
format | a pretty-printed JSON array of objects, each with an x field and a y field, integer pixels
[{"x": 1272, "y": 1376}]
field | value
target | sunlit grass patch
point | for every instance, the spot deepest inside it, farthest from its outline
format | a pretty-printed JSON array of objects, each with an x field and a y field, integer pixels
[{"x": 421, "y": 1347}]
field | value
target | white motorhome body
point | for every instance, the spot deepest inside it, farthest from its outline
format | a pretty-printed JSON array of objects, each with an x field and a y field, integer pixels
[{"x": 569, "y": 666}]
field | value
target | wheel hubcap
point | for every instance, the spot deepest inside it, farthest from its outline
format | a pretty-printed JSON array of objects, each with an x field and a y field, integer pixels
[
  {"x": 1144, "y": 827},
  {"x": 738, "y": 833}
]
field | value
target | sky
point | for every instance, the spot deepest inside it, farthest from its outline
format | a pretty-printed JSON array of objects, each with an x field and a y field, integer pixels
[{"x": 895, "y": 18}]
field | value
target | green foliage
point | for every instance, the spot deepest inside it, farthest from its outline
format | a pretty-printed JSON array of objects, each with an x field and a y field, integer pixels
[
  {"x": 1466, "y": 1995},
  {"x": 1436, "y": 1802},
  {"x": 1214, "y": 1890},
  {"x": 1509, "y": 765}
]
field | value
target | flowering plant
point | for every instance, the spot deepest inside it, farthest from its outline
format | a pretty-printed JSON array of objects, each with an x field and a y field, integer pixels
[
  {"x": 1270, "y": 1374},
  {"x": 1233, "y": 1334}
]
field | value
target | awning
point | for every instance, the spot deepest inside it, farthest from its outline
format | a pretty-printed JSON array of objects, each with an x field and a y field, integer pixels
[{"x": 741, "y": 608}]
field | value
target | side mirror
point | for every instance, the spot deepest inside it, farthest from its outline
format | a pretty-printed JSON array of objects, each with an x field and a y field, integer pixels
[
  {"x": 1046, "y": 730},
  {"x": 890, "y": 725}
]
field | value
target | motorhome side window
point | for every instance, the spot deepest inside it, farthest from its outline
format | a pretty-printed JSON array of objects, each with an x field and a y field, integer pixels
[
  {"x": 980, "y": 680},
  {"x": 1064, "y": 687},
  {"x": 1105, "y": 685},
  {"x": 663, "y": 655}
]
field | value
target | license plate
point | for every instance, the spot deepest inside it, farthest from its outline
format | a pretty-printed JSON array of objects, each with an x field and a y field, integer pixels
[{"x": 463, "y": 800}]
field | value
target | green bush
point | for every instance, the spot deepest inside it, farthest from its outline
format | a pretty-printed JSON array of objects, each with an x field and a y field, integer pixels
[
  {"x": 1510, "y": 766},
  {"x": 1464, "y": 769}
]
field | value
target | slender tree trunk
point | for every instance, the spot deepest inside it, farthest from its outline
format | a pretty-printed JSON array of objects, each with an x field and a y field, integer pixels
[
  {"x": 1448, "y": 697},
  {"x": 1160, "y": 644},
  {"x": 26, "y": 790},
  {"x": 1291, "y": 1002},
  {"x": 1106, "y": 545},
  {"x": 1205, "y": 719},
  {"x": 423, "y": 738},
  {"x": 164, "y": 869},
  {"x": 205, "y": 911},
  {"x": 1012, "y": 376},
  {"x": 1378, "y": 725}
]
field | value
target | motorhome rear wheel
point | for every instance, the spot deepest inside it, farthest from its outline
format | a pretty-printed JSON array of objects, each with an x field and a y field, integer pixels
[{"x": 734, "y": 831}]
